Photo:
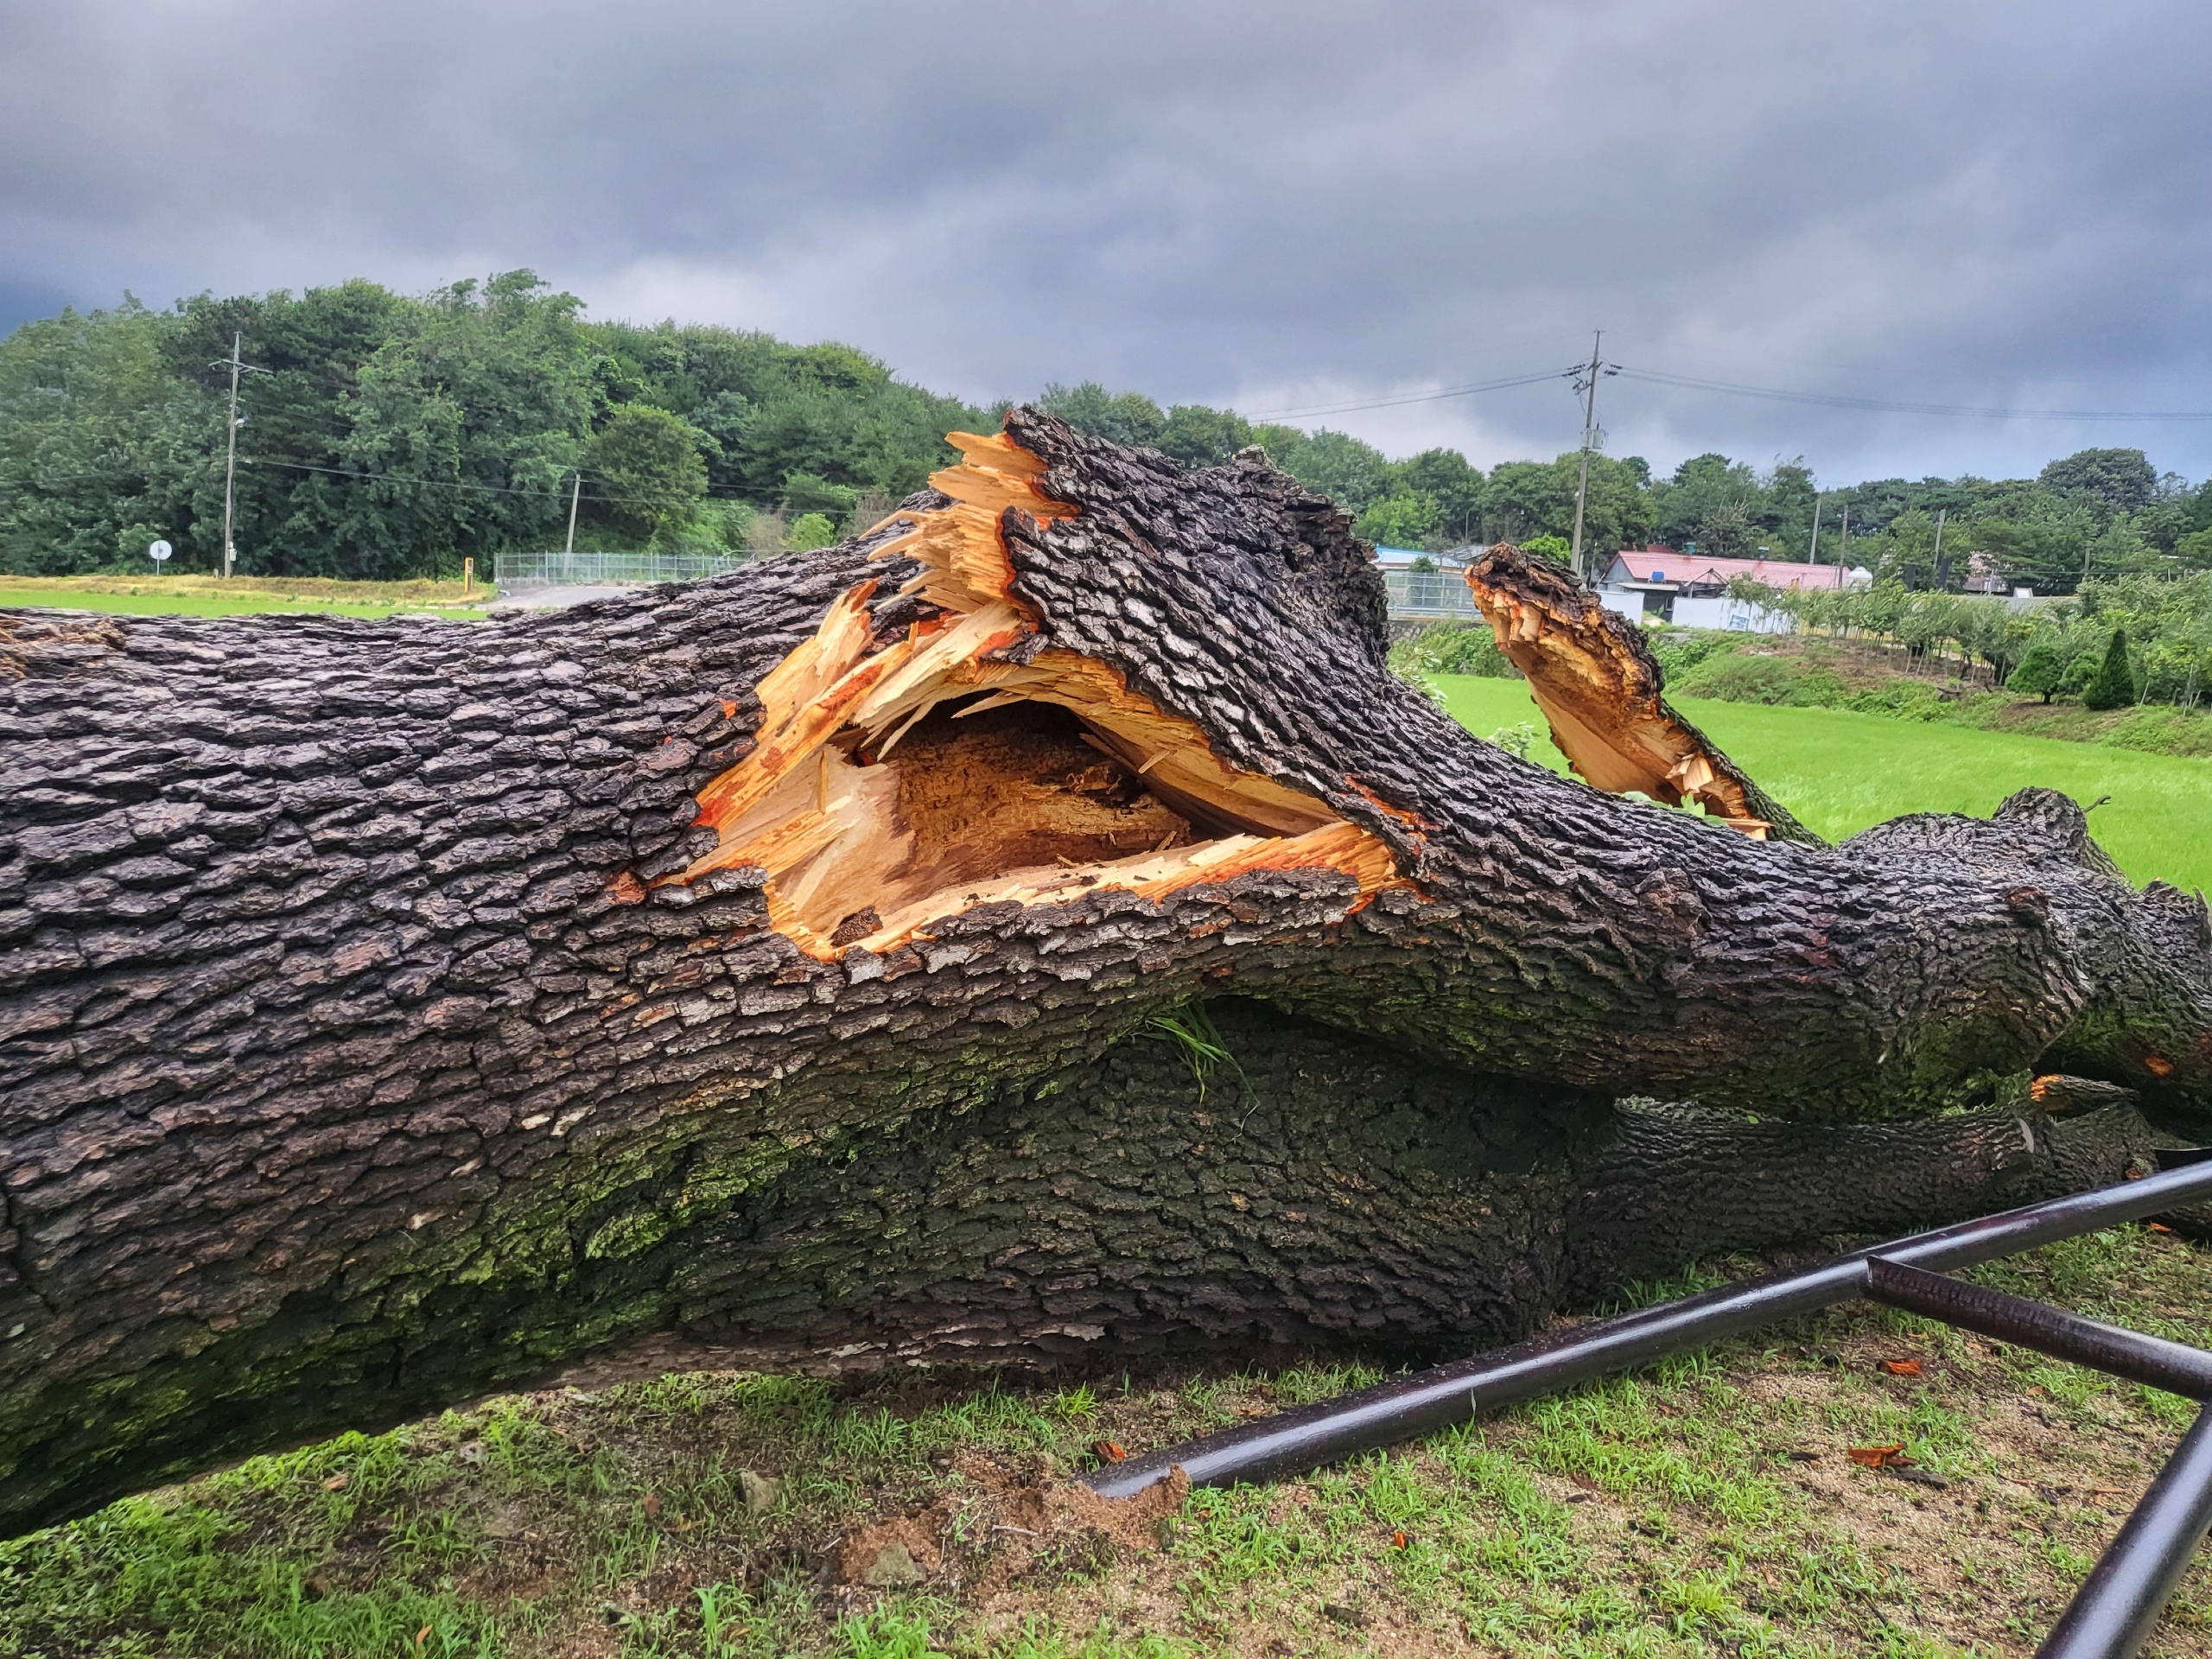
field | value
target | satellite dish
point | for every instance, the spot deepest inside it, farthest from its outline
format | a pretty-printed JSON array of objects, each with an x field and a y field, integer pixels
[{"x": 158, "y": 551}]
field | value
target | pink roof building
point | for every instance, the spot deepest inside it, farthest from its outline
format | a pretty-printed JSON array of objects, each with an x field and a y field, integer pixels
[{"x": 1636, "y": 566}]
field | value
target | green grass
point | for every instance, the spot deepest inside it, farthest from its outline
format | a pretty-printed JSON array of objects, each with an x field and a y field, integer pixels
[
  {"x": 193, "y": 605},
  {"x": 200, "y": 595},
  {"x": 1840, "y": 772},
  {"x": 1703, "y": 1506}
]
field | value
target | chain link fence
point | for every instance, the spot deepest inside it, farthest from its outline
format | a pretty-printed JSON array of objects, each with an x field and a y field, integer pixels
[
  {"x": 1439, "y": 593},
  {"x": 520, "y": 572}
]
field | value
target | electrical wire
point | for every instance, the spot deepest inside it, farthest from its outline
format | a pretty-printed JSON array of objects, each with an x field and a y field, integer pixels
[
  {"x": 1655, "y": 377},
  {"x": 1317, "y": 410},
  {"x": 422, "y": 483},
  {"x": 712, "y": 492},
  {"x": 1836, "y": 400}
]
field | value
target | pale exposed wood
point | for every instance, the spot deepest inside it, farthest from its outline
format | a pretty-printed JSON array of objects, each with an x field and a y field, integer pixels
[
  {"x": 835, "y": 845},
  {"x": 1598, "y": 687}
]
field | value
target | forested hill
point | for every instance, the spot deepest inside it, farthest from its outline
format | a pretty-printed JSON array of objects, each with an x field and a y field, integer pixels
[
  {"x": 388, "y": 435},
  {"x": 392, "y": 436}
]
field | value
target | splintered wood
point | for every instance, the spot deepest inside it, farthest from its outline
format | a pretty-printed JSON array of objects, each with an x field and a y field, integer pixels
[
  {"x": 1598, "y": 687},
  {"x": 894, "y": 784}
]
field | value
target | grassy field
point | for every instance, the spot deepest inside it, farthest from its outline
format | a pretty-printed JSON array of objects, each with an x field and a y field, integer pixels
[
  {"x": 1867, "y": 677},
  {"x": 241, "y": 595},
  {"x": 1839, "y": 772},
  {"x": 1707, "y": 1506}
]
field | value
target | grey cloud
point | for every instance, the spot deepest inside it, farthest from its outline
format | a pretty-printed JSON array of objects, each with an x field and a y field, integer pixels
[{"x": 1272, "y": 204}]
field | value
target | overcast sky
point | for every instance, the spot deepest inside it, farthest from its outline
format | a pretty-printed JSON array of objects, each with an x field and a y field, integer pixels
[{"x": 1277, "y": 206}]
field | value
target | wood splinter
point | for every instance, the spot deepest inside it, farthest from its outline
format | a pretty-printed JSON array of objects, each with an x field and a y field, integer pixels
[
  {"x": 995, "y": 807},
  {"x": 1598, "y": 685}
]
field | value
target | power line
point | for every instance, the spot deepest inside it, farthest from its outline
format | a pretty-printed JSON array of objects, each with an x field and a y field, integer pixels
[
  {"x": 1411, "y": 397},
  {"x": 712, "y": 492},
  {"x": 1836, "y": 400},
  {"x": 351, "y": 474},
  {"x": 401, "y": 478}
]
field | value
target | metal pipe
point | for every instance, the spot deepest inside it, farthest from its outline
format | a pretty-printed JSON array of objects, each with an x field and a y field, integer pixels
[
  {"x": 2118, "y": 1604},
  {"x": 2172, "y": 1365},
  {"x": 1293, "y": 1441},
  {"x": 1405, "y": 1406}
]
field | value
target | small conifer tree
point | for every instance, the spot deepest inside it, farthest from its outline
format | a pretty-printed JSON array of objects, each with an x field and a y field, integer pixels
[{"x": 2114, "y": 684}]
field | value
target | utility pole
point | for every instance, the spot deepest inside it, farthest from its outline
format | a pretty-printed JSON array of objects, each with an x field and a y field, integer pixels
[
  {"x": 1936, "y": 559},
  {"x": 231, "y": 459},
  {"x": 1843, "y": 538},
  {"x": 1812, "y": 547},
  {"x": 1586, "y": 382},
  {"x": 575, "y": 490}
]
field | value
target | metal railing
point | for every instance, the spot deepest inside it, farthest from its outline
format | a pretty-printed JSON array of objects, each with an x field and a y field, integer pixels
[
  {"x": 2117, "y": 1607},
  {"x": 1440, "y": 593},
  {"x": 525, "y": 570}
]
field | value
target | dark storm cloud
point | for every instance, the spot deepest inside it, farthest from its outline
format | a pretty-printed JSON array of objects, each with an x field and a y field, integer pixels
[{"x": 1280, "y": 205}]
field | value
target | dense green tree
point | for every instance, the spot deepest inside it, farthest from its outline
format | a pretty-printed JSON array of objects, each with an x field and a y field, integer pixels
[
  {"x": 646, "y": 467},
  {"x": 101, "y": 449},
  {"x": 1403, "y": 518},
  {"x": 2113, "y": 684},
  {"x": 2120, "y": 480},
  {"x": 1905, "y": 553},
  {"x": 2040, "y": 670},
  {"x": 1701, "y": 486},
  {"x": 1337, "y": 465},
  {"x": 1199, "y": 436},
  {"x": 804, "y": 492},
  {"x": 394, "y": 436},
  {"x": 811, "y": 530},
  {"x": 1783, "y": 509},
  {"x": 466, "y": 420},
  {"x": 1558, "y": 549},
  {"x": 2044, "y": 547},
  {"x": 1444, "y": 477},
  {"x": 1130, "y": 417},
  {"x": 1526, "y": 497},
  {"x": 1726, "y": 530}
]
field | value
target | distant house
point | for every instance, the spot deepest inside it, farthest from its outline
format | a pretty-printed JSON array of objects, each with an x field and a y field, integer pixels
[{"x": 1691, "y": 589}]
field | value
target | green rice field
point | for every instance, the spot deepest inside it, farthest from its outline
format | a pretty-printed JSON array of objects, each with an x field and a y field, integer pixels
[
  {"x": 198, "y": 596},
  {"x": 1839, "y": 772},
  {"x": 164, "y": 605}
]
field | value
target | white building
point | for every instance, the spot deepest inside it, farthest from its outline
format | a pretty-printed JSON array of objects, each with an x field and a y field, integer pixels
[{"x": 1690, "y": 590}]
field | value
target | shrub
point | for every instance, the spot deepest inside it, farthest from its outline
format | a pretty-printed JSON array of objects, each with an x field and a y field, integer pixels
[
  {"x": 2114, "y": 684},
  {"x": 813, "y": 530},
  {"x": 1680, "y": 653},
  {"x": 1557, "y": 549},
  {"x": 1738, "y": 679},
  {"x": 2040, "y": 670},
  {"x": 1743, "y": 678},
  {"x": 1454, "y": 648}
]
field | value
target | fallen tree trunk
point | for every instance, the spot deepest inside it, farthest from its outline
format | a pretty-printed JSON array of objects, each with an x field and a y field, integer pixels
[{"x": 802, "y": 966}]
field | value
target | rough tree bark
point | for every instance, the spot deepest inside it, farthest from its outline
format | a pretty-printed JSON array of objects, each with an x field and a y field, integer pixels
[{"x": 769, "y": 969}]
